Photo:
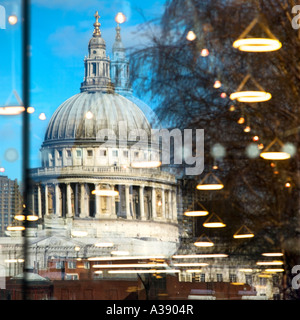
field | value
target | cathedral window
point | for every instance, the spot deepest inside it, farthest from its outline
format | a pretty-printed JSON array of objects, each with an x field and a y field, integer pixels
[
  {"x": 90, "y": 153},
  {"x": 94, "y": 68},
  {"x": 115, "y": 153},
  {"x": 78, "y": 153},
  {"x": 103, "y": 153}
]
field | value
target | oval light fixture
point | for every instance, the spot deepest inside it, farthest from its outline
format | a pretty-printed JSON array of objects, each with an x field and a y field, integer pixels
[
  {"x": 253, "y": 44},
  {"x": 243, "y": 233},
  {"x": 146, "y": 164},
  {"x": 203, "y": 241},
  {"x": 105, "y": 193},
  {"x": 257, "y": 44},
  {"x": 214, "y": 221},
  {"x": 197, "y": 213},
  {"x": 120, "y": 17},
  {"x": 268, "y": 154},
  {"x": 210, "y": 182}
]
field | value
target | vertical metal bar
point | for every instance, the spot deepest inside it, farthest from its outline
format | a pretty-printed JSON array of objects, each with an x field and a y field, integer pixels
[{"x": 25, "y": 130}]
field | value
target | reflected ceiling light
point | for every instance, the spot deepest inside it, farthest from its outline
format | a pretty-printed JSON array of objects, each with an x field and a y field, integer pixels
[
  {"x": 274, "y": 155},
  {"x": 264, "y": 275},
  {"x": 105, "y": 192},
  {"x": 250, "y": 96},
  {"x": 193, "y": 256},
  {"x": 217, "y": 84},
  {"x": 243, "y": 232},
  {"x": 269, "y": 263},
  {"x": 203, "y": 241},
  {"x": 145, "y": 271},
  {"x": 125, "y": 258},
  {"x": 78, "y": 233},
  {"x": 287, "y": 185},
  {"x": 232, "y": 108},
  {"x": 103, "y": 244},
  {"x": 193, "y": 270},
  {"x": 132, "y": 265},
  {"x": 247, "y": 129},
  {"x": 42, "y": 116},
  {"x": 204, "y": 53},
  {"x": 197, "y": 213},
  {"x": 272, "y": 254},
  {"x": 237, "y": 283},
  {"x": 223, "y": 95},
  {"x": 191, "y": 36},
  {"x": 21, "y": 217},
  {"x": 30, "y": 110},
  {"x": 257, "y": 45},
  {"x": 245, "y": 270},
  {"x": 255, "y": 138},
  {"x": 11, "y": 110},
  {"x": 98, "y": 271},
  {"x": 89, "y": 115},
  {"x": 13, "y": 260},
  {"x": 205, "y": 184},
  {"x": 250, "y": 44},
  {"x": 15, "y": 228},
  {"x": 77, "y": 248},
  {"x": 146, "y": 164},
  {"x": 241, "y": 120},
  {"x": 214, "y": 221},
  {"x": 120, "y": 252},
  {"x": 120, "y": 17},
  {"x": 192, "y": 264},
  {"x": 12, "y": 19},
  {"x": 274, "y": 270}
]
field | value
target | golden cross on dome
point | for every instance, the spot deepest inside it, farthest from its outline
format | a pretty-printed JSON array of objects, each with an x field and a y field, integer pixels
[{"x": 97, "y": 32}]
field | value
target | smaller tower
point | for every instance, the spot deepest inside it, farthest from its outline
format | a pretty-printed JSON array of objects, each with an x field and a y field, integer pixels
[
  {"x": 97, "y": 64},
  {"x": 120, "y": 66}
]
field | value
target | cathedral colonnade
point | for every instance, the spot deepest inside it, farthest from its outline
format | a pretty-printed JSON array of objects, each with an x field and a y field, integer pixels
[{"x": 144, "y": 202}]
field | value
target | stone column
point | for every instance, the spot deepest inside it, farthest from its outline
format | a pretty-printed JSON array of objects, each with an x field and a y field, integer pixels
[
  {"x": 163, "y": 204},
  {"x": 170, "y": 204},
  {"x": 128, "y": 215},
  {"x": 39, "y": 201},
  {"x": 153, "y": 202},
  {"x": 57, "y": 200},
  {"x": 141, "y": 202},
  {"x": 83, "y": 210},
  {"x": 113, "y": 205},
  {"x": 46, "y": 200},
  {"x": 97, "y": 202},
  {"x": 174, "y": 207},
  {"x": 69, "y": 201}
]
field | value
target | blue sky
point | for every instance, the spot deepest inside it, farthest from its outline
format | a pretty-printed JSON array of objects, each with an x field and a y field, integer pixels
[{"x": 60, "y": 31}]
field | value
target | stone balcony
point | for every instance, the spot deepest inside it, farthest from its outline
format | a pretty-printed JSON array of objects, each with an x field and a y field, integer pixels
[{"x": 105, "y": 171}]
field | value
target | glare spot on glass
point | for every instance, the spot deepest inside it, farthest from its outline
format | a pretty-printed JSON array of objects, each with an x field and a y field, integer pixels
[
  {"x": 223, "y": 95},
  {"x": 204, "y": 53},
  {"x": 42, "y": 116},
  {"x": 252, "y": 151},
  {"x": 289, "y": 148},
  {"x": 218, "y": 151},
  {"x": 30, "y": 109},
  {"x": 217, "y": 84},
  {"x": 89, "y": 115},
  {"x": 12, "y": 19},
  {"x": 11, "y": 155},
  {"x": 191, "y": 36},
  {"x": 120, "y": 17}
]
